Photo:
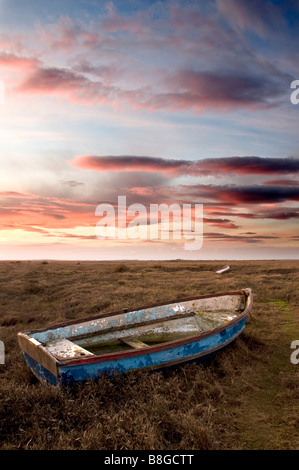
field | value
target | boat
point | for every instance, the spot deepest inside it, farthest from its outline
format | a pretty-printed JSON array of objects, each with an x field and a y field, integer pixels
[
  {"x": 150, "y": 337},
  {"x": 222, "y": 270}
]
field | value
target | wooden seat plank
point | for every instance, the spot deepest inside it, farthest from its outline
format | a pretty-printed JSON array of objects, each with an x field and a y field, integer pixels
[{"x": 134, "y": 343}]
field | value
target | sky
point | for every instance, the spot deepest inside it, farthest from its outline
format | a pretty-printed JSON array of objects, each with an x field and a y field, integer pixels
[{"x": 158, "y": 102}]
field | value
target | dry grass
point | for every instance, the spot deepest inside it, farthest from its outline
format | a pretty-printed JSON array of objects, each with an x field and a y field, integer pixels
[{"x": 245, "y": 397}]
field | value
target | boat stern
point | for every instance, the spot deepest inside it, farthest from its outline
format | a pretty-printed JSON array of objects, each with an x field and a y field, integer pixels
[{"x": 39, "y": 360}]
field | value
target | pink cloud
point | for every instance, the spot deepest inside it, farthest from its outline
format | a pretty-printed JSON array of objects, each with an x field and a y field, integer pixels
[
  {"x": 251, "y": 165},
  {"x": 238, "y": 195},
  {"x": 221, "y": 223},
  {"x": 129, "y": 163},
  {"x": 26, "y": 210},
  {"x": 206, "y": 167},
  {"x": 142, "y": 191},
  {"x": 282, "y": 182},
  {"x": 14, "y": 194},
  {"x": 45, "y": 80},
  {"x": 16, "y": 61},
  {"x": 186, "y": 89}
]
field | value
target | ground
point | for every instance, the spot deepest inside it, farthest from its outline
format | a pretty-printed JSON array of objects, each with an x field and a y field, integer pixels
[{"x": 244, "y": 397}]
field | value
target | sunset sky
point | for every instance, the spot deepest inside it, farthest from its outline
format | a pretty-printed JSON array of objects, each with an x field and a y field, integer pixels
[{"x": 184, "y": 102}]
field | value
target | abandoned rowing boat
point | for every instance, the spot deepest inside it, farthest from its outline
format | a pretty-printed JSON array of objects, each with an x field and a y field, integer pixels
[
  {"x": 222, "y": 270},
  {"x": 149, "y": 337}
]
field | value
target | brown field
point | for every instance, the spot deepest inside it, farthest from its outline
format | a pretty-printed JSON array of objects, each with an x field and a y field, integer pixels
[{"x": 244, "y": 397}]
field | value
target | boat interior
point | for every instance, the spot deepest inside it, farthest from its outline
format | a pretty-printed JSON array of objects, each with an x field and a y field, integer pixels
[
  {"x": 135, "y": 338},
  {"x": 138, "y": 329}
]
